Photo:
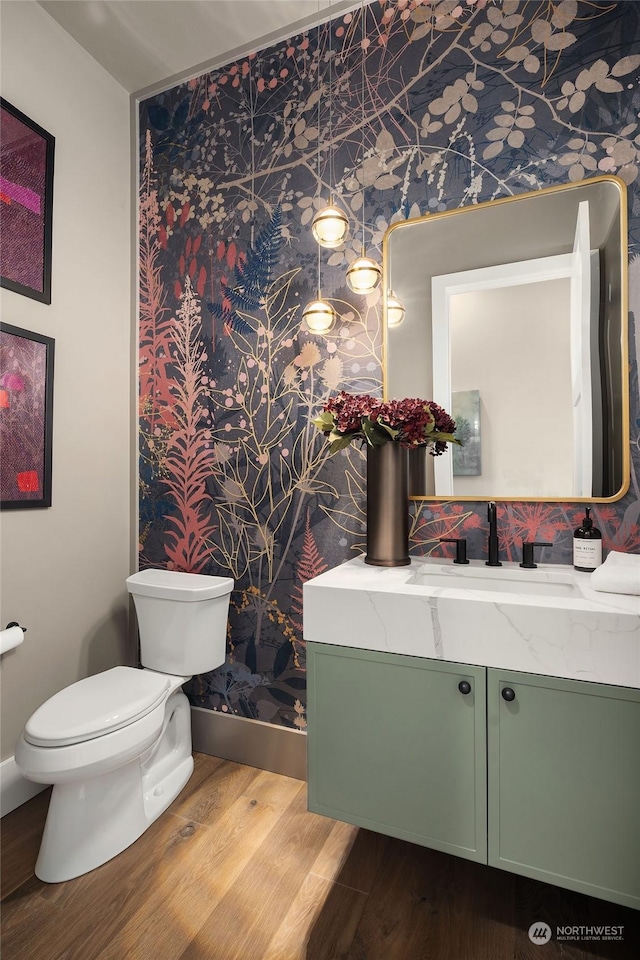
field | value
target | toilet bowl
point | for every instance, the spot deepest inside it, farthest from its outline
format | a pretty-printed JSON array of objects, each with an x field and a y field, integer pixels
[{"x": 117, "y": 745}]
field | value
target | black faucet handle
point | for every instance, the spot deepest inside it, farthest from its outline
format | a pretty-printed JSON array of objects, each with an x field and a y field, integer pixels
[
  {"x": 461, "y": 548},
  {"x": 527, "y": 553}
]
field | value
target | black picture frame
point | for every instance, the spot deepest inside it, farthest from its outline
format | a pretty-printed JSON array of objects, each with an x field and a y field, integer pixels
[
  {"x": 26, "y": 418},
  {"x": 26, "y": 231}
]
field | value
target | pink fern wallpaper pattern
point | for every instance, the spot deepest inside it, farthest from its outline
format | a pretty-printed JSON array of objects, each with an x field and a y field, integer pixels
[{"x": 463, "y": 102}]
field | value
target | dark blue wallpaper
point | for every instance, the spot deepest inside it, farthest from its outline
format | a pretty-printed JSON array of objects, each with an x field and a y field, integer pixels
[{"x": 420, "y": 107}]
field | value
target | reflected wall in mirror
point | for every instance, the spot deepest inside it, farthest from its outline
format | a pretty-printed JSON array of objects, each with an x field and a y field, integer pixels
[{"x": 517, "y": 306}]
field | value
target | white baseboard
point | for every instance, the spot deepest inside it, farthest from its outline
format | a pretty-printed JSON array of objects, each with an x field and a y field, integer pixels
[{"x": 14, "y": 788}]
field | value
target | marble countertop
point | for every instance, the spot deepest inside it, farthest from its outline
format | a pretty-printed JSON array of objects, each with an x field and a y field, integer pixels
[{"x": 584, "y": 635}]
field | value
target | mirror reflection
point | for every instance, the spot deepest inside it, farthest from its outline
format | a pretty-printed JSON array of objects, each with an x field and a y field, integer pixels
[{"x": 515, "y": 322}]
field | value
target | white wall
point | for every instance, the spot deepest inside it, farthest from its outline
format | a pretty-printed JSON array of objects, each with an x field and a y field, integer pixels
[
  {"x": 500, "y": 346},
  {"x": 63, "y": 568}
]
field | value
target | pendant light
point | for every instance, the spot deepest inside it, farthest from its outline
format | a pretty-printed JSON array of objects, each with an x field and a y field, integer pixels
[
  {"x": 330, "y": 225},
  {"x": 319, "y": 316},
  {"x": 364, "y": 274},
  {"x": 395, "y": 310}
]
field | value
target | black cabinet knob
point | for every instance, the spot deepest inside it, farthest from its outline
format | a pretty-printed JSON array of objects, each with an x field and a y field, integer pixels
[
  {"x": 508, "y": 694},
  {"x": 464, "y": 687}
]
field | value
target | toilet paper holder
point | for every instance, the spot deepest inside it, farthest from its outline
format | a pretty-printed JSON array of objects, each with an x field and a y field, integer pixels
[{"x": 11, "y": 637}]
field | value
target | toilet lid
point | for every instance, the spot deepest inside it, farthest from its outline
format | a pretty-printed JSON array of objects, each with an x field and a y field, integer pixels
[
  {"x": 175, "y": 585},
  {"x": 95, "y": 706}
]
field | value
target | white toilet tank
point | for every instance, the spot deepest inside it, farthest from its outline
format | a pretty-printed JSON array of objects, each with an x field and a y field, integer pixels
[{"x": 182, "y": 619}]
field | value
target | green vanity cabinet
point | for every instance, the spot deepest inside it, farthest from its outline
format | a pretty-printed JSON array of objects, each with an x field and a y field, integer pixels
[
  {"x": 564, "y": 783},
  {"x": 395, "y": 746},
  {"x": 536, "y": 775}
]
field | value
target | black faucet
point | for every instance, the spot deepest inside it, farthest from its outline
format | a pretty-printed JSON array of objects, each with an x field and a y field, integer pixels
[{"x": 493, "y": 544}]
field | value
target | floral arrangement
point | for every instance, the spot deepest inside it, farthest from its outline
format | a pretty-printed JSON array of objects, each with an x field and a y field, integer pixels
[{"x": 410, "y": 422}]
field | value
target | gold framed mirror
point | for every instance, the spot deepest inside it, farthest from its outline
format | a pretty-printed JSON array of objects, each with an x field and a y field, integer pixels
[{"x": 513, "y": 316}]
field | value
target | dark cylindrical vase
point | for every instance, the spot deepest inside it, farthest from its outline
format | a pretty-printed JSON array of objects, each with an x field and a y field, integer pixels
[{"x": 387, "y": 506}]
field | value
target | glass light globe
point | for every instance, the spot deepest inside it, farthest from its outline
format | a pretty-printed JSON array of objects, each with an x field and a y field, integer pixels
[
  {"x": 363, "y": 275},
  {"x": 330, "y": 226},
  {"x": 395, "y": 310},
  {"x": 319, "y": 316}
]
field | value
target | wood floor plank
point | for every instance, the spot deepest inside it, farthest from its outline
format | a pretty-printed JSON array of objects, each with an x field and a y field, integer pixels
[
  {"x": 213, "y": 793},
  {"x": 204, "y": 767},
  {"x": 335, "y": 852},
  {"x": 365, "y": 859},
  {"x": 335, "y": 926},
  {"x": 20, "y": 841},
  {"x": 472, "y": 911},
  {"x": 423, "y": 906},
  {"x": 397, "y": 921},
  {"x": 182, "y": 900},
  {"x": 25, "y": 906},
  {"x": 245, "y": 922},
  {"x": 92, "y": 907},
  {"x": 290, "y": 939}
]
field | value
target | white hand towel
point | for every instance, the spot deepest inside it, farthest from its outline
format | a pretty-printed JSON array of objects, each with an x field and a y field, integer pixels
[{"x": 620, "y": 573}]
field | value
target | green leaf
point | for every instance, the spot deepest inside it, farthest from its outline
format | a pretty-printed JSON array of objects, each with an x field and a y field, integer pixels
[
  {"x": 339, "y": 441},
  {"x": 324, "y": 421},
  {"x": 390, "y": 430},
  {"x": 445, "y": 438},
  {"x": 374, "y": 436},
  {"x": 430, "y": 425}
]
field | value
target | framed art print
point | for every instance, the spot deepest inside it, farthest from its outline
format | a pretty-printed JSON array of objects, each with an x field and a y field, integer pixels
[
  {"x": 26, "y": 204},
  {"x": 26, "y": 418}
]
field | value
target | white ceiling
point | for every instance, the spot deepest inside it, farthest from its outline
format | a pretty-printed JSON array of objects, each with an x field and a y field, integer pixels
[{"x": 144, "y": 42}]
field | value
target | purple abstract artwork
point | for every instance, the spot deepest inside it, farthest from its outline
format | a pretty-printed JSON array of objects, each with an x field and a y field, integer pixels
[
  {"x": 26, "y": 367},
  {"x": 26, "y": 179}
]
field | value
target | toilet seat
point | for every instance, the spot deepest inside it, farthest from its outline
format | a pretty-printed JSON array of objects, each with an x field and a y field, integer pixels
[
  {"x": 96, "y": 706},
  {"x": 90, "y": 757}
]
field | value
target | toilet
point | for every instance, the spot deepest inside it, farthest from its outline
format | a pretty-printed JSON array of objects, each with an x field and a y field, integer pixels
[{"x": 117, "y": 746}]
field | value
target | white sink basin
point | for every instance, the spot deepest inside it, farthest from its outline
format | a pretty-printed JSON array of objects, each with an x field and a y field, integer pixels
[{"x": 497, "y": 580}]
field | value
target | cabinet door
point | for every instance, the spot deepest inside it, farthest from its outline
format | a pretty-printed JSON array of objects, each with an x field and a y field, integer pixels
[
  {"x": 564, "y": 783},
  {"x": 395, "y": 746}
]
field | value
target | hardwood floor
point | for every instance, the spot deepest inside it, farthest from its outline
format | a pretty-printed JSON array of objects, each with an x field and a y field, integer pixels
[{"x": 237, "y": 869}]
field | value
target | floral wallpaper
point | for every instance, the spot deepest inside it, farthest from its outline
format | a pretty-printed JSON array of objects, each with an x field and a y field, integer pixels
[{"x": 463, "y": 102}]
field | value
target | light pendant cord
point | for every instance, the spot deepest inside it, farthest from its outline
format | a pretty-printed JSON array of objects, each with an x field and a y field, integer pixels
[
  {"x": 319, "y": 102},
  {"x": 331, "y": 159},
  {"x": 253, "y": 157},
  {"x": 364, "y": 34},
  {"x": 319, "y": 97}
]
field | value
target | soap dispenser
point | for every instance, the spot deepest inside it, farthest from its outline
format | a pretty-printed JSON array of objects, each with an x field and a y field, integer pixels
[{"x": 587, "y": 545}]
